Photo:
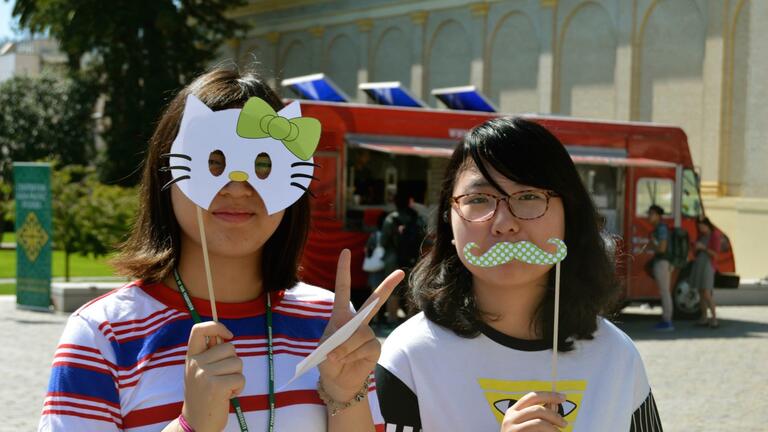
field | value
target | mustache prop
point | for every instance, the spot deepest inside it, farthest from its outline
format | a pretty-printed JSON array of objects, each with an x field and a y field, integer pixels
[{"x": 524, "y": 251}]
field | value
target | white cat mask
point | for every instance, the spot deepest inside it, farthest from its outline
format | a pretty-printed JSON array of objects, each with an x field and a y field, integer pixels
[{"x": 271, "y": 151}]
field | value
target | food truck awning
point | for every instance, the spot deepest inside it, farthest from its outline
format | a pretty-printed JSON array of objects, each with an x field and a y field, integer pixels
[
  {"x": 621, "y": 161},
  {"x": 408, "y": 150},
  {"x": 428, "y": 147},
  {"x": 406, "y": 146}
]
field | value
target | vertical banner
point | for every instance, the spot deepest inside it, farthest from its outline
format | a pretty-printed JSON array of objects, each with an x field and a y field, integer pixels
[{"x": 32, "y": 191}]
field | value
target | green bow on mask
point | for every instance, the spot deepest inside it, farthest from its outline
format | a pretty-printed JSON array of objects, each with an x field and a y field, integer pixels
[{"x": 299, "y": 135}]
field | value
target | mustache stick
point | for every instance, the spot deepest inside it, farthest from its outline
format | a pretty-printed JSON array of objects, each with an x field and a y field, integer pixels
[{"x": 556, "y": 327}]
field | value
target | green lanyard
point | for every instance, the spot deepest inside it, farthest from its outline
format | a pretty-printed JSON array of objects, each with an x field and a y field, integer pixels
[{"x": 270, "y": 356}]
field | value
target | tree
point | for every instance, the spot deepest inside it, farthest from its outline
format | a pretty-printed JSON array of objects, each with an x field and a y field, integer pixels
[
  {"x": 143, "y": 50},
  {"x": 44, "y": 118},
  {"x": 88, "y": 216}
]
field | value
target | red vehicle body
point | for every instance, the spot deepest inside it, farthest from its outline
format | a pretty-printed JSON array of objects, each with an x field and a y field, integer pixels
[{"x": 626, "y": 166}]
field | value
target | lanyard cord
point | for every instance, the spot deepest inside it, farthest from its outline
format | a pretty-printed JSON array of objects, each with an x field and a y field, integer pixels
[{"x": 270, "y": 354}]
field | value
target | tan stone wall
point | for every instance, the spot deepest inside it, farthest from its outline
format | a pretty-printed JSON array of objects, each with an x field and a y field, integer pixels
[{"x": 744, "y": 220}]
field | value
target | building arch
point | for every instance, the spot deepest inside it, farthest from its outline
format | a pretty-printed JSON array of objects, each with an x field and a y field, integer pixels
[
  {"x": 586, "y": 64},
  {"x": 449, "y": 57},
  {"x": 513, "y": 64},
  {"x": 342, "y": 62},
  {"x": 392, "y": 57},
  {"x": 670, "y": 84}
]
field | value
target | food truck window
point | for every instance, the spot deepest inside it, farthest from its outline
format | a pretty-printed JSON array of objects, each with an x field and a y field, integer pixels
[
  {"x": 605, "y": 186},
  {"x": 654, "y": 191},
  {"x": 373, "y": 179},
  {"x": 691, "y": 198}
]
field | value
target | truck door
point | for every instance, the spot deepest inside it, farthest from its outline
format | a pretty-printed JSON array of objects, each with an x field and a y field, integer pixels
[{"x": 648, "y": 186}]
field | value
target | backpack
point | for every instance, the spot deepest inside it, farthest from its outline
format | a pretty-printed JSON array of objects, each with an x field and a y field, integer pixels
[
  {"x": 677, "y": 247},
  {"x": 408, "y": 240}
]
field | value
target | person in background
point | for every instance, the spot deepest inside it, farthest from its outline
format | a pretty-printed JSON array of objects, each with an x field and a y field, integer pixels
[
  {"x": 402, "y": 236},
  {"x": 375, "y": 278},
  {"x": 661, "y": 268},
  {"x": 703, "y": 270}
]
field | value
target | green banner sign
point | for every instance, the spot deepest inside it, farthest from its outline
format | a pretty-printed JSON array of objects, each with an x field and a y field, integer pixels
[{"x": 32, "y": 191}]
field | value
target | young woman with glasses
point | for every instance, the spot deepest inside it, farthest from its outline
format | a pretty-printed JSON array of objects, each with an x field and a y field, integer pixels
[{"x": 478, "y": 358}]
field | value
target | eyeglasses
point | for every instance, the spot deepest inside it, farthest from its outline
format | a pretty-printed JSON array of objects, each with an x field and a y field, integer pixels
[{"x": 480, "y": 207}]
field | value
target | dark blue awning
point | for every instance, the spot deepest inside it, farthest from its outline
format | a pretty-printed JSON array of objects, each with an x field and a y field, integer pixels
[{"x": 316, "y": 87}]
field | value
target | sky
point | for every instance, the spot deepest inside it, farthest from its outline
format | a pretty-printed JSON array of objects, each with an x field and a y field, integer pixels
[{"x": 5, "y": 19}]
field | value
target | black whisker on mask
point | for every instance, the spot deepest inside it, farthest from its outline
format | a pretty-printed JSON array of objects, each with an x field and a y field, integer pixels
[
  {"x": 170, "y": 183},
  {"x": 304, "y": 188},
  {"x": 175, "y": 167},
  {"x": 178, "y": 155},
  {"x": 303, "y": 176},
  {"x": 295, "y": 164}
]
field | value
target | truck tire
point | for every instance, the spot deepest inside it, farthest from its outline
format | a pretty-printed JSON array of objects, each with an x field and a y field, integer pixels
[{"x": 685, "y": 298}]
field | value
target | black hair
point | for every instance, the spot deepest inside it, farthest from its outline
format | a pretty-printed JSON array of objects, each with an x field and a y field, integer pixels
[
  {"x": 528, "y": 154},
  {"x": 655, "y": 208}
]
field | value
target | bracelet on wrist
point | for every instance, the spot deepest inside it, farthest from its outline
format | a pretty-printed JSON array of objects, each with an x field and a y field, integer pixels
[
  {"x": 184, "y": 424},
  {"x": 335, "y": 407}
]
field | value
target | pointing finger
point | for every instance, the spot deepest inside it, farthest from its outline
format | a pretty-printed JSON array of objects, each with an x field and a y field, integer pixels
[{"x": 343, "y": 282}]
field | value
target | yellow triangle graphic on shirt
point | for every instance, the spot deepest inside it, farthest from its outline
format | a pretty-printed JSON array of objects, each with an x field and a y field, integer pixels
[{"x": 502, "y": 394}]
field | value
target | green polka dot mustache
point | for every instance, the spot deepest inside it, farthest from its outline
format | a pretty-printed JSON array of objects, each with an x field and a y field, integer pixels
[{"x": 524, "y": 251}]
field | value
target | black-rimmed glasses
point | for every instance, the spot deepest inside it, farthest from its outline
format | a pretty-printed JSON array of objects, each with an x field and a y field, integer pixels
[{"x": 480, "y": 207}]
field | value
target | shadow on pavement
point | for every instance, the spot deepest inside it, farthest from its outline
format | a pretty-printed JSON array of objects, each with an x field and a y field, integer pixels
[{"x": 639, "y": 326}]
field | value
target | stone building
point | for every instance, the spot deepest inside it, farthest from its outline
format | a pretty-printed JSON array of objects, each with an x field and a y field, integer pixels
[
  {"x": 30, "y": 58},
  {"x": 693, "y": 63}
]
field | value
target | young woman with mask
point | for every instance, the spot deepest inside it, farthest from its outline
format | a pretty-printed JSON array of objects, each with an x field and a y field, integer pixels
[{"x": 135, "y": 359}]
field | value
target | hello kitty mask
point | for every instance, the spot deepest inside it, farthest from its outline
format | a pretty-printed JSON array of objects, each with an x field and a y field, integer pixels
[{"x": 270, "y": 150}]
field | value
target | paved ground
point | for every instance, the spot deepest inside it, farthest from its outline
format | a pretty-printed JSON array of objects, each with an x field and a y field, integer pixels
[{"x": 704, "y": 380}]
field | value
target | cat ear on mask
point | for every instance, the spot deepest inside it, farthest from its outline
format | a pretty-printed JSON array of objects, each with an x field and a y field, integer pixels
[
  {"x": 193, "y": 108},
  {"x": 291, "y": 111}
]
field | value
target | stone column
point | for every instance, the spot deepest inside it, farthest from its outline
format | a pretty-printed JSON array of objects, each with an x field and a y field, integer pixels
[
  {"x": 318, "y": 53},
  {"x": 546, "y": 85},
  {"x": 364, "y": 26},
  {"x": 418, "y": 41},
  {"x": 274, "y": 38},
  {"x": 625, "y": 51},
  {"x": 479, "y": 32}
]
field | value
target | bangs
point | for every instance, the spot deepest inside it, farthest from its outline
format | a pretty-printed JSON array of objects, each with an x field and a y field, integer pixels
[{"x": 517, "y": 153}]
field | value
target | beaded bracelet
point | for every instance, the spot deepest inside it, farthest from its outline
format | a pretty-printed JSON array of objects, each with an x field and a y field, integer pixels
[
  {"x": 335, "y": 407},
  {"x": 184, "y": 424}
]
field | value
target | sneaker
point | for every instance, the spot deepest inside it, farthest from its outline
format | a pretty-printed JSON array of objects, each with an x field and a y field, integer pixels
[{"x": 664, "y": 326}]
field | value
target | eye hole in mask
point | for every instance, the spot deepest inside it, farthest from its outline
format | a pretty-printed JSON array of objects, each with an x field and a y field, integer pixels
[
  {"x": 217, "y": 163},
  {"x": 263, "y": 166}
]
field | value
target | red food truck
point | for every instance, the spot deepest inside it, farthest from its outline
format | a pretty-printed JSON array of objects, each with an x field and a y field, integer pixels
[{"x": 367, "y": 152}]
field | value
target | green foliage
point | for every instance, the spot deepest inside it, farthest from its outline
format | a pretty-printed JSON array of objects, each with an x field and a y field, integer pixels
[
  {"x": 89, "y": 217},
  {"x": 43, "y": 118},
  {"x": 143, "y": 50}
]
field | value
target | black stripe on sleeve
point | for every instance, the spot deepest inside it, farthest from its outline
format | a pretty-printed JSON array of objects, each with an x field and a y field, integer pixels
[
  {"x": 646, "y": 417},
  {"x": 399, "y": 405}
]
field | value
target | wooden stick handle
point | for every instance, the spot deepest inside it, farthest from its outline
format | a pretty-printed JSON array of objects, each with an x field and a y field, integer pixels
[
  {"x": 556, "y": 327},
  {"x": 208, "y": 275}
]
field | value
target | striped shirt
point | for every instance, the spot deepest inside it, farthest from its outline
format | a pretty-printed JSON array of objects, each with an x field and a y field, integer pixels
[{"x": 120, "y": 362}]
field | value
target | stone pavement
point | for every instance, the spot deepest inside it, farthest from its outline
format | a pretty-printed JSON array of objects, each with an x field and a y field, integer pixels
[
  {"x": 28, "y": 340},
  {"x": 703, "y": 380}
]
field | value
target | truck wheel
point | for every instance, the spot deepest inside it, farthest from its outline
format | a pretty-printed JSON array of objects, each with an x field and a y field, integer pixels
[{"x": 686, "y": 300}]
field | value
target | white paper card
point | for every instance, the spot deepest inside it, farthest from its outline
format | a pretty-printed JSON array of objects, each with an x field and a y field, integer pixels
[{"x": 339, "y": 337}]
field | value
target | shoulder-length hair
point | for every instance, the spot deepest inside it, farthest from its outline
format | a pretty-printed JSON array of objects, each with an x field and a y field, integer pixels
[
  {"x": 153, "y": 247},
  {"x": 528, "y": 154}
]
